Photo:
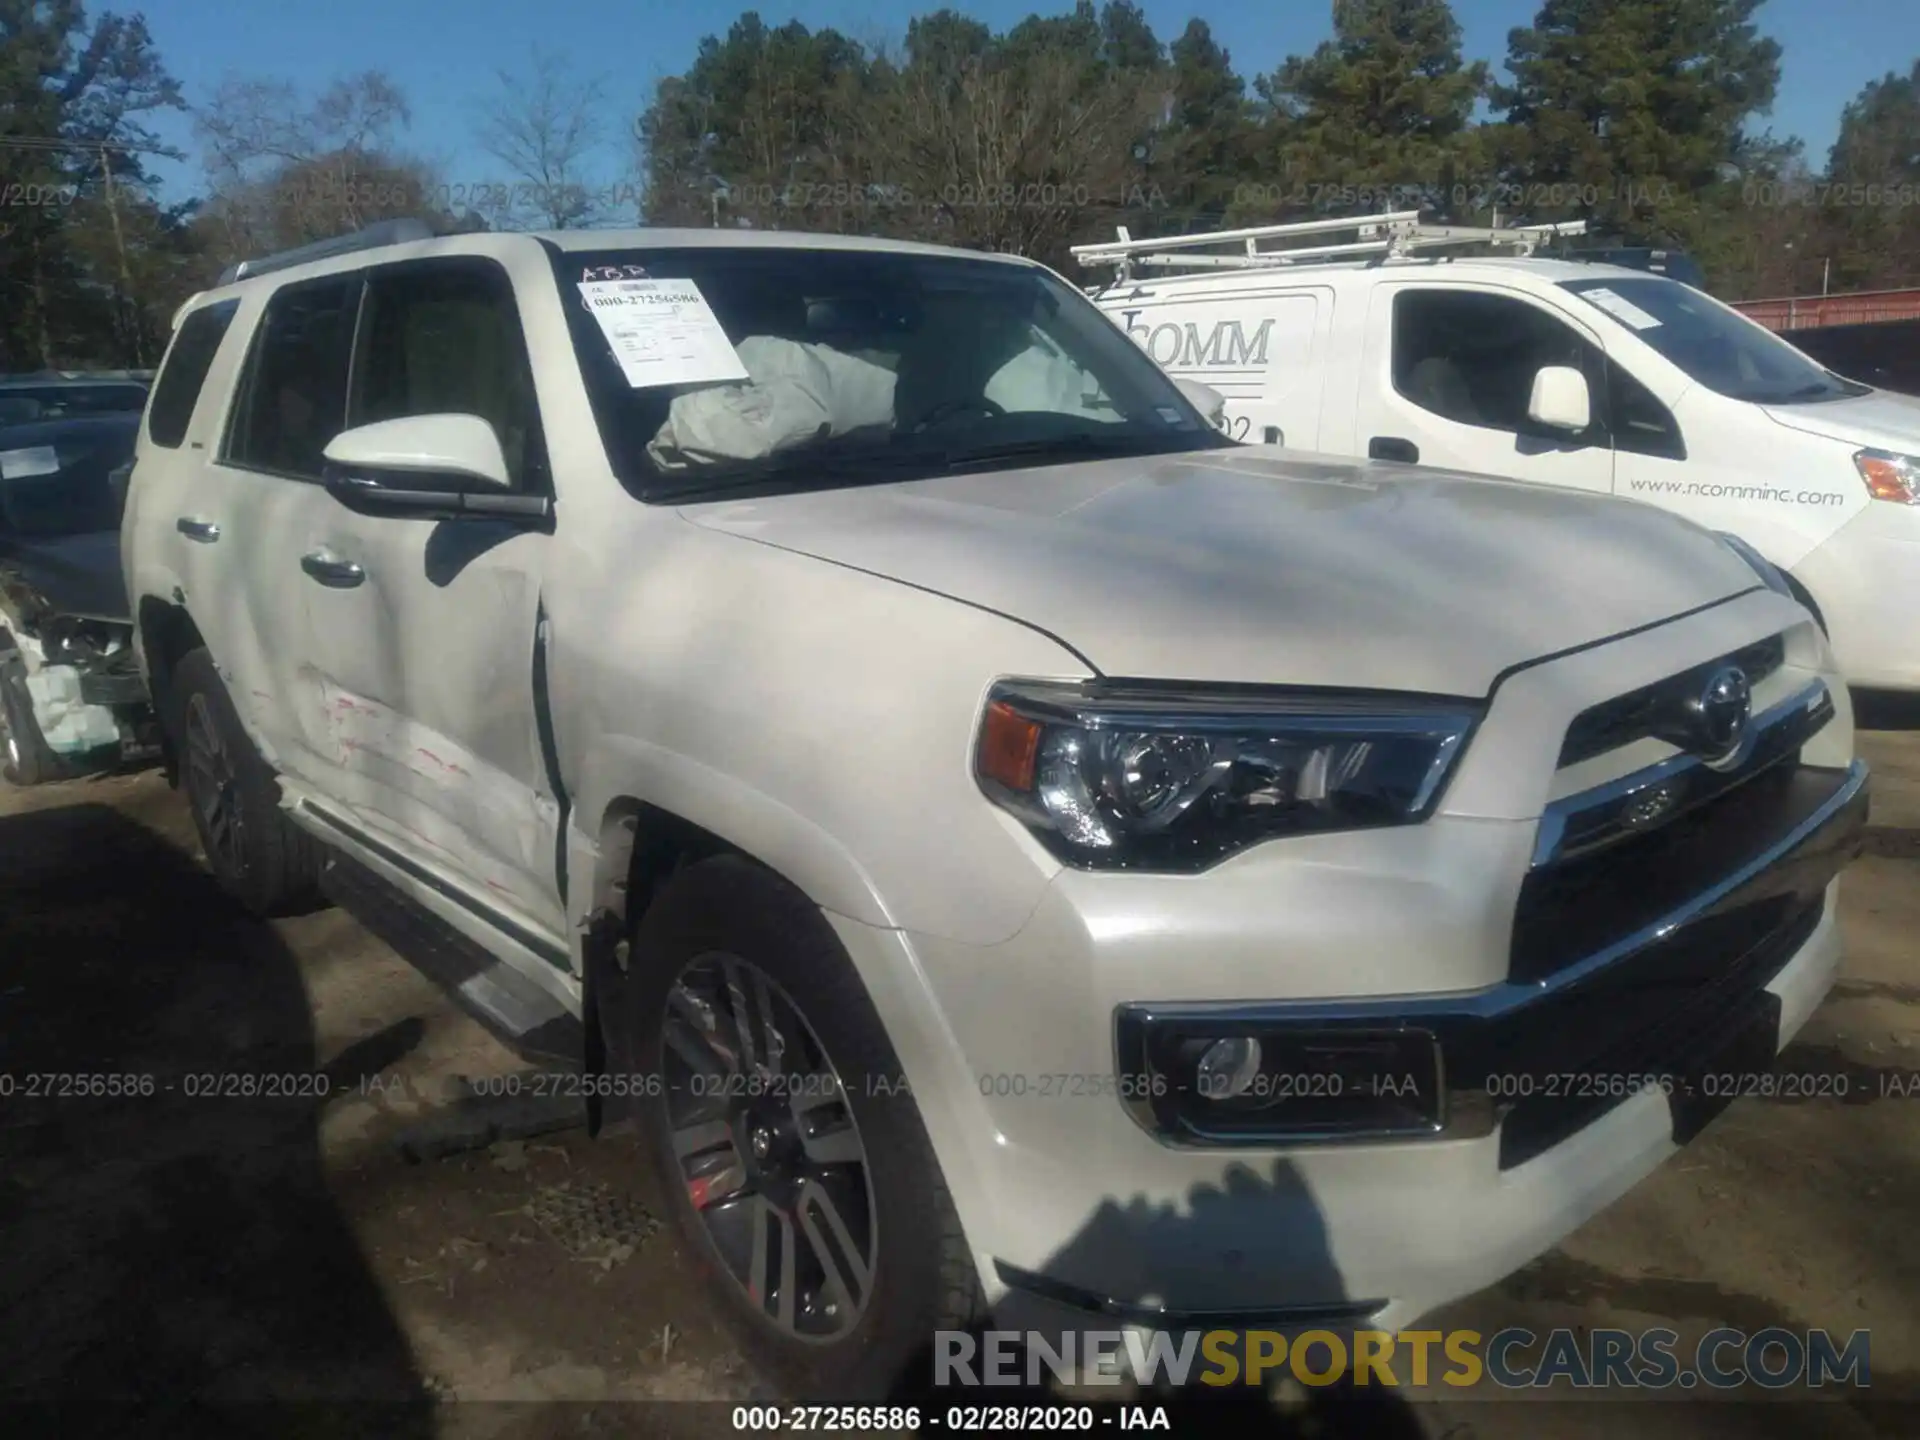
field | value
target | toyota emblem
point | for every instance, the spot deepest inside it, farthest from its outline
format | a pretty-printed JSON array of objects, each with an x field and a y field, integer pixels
[{"x": 1719, "y": 715}]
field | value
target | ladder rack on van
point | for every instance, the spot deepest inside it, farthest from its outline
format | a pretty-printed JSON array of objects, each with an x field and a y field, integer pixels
[{"x": 1389, "y": 236}]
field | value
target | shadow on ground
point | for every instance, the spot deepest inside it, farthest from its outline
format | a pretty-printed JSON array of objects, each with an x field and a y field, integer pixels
[
  {"x": 1258, "y": 1235},
  {"x": 171, "y": 1261}
]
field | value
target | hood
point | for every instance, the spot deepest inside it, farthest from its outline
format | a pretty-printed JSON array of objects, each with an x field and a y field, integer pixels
[
  {"x": 1256, "y": 566},
  {"x": 1879, "y": 419},
  {"x": 77, "y": 575}
]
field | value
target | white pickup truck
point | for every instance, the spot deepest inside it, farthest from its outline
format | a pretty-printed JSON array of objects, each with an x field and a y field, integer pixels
[
  {"x": 1002, "y": 847},
  {"x": 1585, "y": 376}
]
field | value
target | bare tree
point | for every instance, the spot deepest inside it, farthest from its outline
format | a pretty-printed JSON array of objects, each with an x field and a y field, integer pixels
[
  {"x": 283, "y": 170},
  {"x": 545, "y": 128},
  {"x": 1007, "y": 156}
]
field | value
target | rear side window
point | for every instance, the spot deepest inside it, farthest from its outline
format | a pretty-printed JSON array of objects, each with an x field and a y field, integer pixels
[
  {"x": 185, "y": 371},
  {"x": 294, "y": 399}
]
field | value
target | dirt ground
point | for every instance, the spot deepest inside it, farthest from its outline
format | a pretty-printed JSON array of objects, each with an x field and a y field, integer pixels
[{"x": 315, "y": 1263}]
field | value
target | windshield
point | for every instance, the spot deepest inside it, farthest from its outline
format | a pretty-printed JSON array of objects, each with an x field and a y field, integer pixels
[
  {"x": 56, "y": 480},
  {"x": 729, "y": 368},
  {"x": 1716, "y": 346}
]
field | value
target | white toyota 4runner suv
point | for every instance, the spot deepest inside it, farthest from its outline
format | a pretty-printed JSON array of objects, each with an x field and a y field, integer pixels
[{"x": 1004, "y": 849}]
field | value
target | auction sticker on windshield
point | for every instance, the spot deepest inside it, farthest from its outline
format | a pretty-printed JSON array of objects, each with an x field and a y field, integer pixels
[
  {"x": 662, "y": 332},
  {"x": 1621, "y": 308}
]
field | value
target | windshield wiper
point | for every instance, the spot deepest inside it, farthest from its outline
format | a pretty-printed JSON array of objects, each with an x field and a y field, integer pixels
[
  {"x": 806, "y": 469},
  {"x": 1079, "y": 445},
  {"x": 1814, "y": 390}
]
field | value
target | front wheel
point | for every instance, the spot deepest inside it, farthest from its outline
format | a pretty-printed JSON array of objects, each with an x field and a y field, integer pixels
[
  {"x": 254, "y": 851},
  {"x": 795, "y": 1164}
]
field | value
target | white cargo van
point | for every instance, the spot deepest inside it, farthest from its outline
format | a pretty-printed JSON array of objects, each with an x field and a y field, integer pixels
[{"x": 1580, "y": 375}]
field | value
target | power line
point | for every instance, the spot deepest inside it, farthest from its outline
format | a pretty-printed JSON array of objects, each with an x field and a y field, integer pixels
[{"x": 54, "y": 142}]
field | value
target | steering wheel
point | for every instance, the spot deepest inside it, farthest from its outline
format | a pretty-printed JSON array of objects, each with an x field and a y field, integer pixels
[{"x": 951, "y": 409}]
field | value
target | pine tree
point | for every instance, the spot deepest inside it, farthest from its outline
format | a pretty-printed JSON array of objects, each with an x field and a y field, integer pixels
[{"x": 1377, "y": 117}]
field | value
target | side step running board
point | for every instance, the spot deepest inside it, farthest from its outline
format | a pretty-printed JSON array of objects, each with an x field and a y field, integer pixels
[{"x": 525, "y": 1017}]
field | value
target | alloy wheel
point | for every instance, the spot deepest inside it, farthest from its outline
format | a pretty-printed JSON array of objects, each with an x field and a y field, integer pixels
[
  {"x": 213, "y": 784},
  {"x": 768, "y": 1148}
]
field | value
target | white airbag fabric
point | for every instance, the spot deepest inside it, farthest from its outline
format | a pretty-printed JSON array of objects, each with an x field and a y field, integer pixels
[{"x": 798, "y": 392}]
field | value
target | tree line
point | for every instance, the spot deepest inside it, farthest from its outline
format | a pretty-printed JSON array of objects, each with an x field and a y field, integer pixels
[{"x": 1642, "y": 117}]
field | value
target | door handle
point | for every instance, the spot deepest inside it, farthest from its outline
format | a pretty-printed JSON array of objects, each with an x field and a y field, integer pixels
[
  {"x": 205, "y": 531},
  {"x": 333, "y": 573},
  {"x": 1392, "y": 447}
]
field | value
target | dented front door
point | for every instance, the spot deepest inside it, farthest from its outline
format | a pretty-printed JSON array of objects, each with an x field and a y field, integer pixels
[{"x": 422, "y": 694}]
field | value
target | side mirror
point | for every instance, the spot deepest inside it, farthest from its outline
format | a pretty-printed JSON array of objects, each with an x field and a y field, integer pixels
[
  {"x": 1207, "y": 400},
  {"x": 1560, "y": 400},
  {"x": 426, "y": 466}
]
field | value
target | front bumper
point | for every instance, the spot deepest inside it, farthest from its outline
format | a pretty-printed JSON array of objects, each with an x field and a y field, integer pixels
[
  {"x": 1121, "y": 1227},
  {"x": 1081, "y": 1216}
]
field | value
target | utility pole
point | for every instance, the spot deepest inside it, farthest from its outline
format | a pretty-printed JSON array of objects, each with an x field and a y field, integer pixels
[{"x": 120, "y": 250}]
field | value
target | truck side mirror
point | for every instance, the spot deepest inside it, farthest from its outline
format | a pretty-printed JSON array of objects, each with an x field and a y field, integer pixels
[{"x": 1560, "y": 400}]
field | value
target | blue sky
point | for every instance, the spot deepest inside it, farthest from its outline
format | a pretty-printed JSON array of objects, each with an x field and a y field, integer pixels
[{"x": 445, "y": 53}]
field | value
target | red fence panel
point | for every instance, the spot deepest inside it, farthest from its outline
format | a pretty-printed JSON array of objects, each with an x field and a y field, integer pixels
[{"x": 1806, "y": 312}]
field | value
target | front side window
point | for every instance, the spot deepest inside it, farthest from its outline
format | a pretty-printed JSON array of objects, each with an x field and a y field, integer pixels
[
  {"x": 294, "y": 398},
  {"x": 1471, "y": 357},
  {"x": 1715, "y": 346},
  {"x": 836, "y": 367},
  {"x": 443, "y": 337}
]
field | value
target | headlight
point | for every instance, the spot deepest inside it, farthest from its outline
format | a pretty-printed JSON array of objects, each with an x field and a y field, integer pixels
[
  {"x": 1769, "y": 573},
  {"x": 1890, "y": 476},
  {"x": 1176, "y": 780}
]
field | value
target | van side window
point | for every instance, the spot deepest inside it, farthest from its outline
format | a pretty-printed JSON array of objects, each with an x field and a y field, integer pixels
[
  {"x": 185, "y": 370},
  {"x": 294, "y": 399},
  {"x": 1640, "y": 423},
  {"x": 1471, "y": 357},
  {"x": 444, "y": 337}
]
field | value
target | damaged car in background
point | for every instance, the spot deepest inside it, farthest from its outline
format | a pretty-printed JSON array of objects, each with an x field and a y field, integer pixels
[{"x": 71, "y": 695}]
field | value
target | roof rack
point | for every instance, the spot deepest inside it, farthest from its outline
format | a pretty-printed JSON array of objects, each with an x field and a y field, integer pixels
[
  {"x": 387, "y": 232},
  {"x": 1386, "y": 236}
]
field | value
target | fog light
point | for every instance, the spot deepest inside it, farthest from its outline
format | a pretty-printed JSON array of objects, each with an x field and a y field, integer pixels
[
  {"x": 1245, "y": 1079},
  {"x": 1228, "y": 1068}
]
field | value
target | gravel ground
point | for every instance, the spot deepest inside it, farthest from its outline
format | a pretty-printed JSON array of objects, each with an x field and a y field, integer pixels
[{"x": 327, "y": 1260}]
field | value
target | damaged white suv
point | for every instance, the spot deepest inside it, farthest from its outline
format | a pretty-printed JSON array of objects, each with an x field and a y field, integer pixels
[{"x": 1012, "y": 851}]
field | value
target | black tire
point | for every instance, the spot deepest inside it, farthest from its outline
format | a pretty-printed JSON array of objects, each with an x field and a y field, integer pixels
[
  {"x": 922, "y": 1276},
  {"x": 257, "y": 854},
  {"x": 30, "y": 761}
]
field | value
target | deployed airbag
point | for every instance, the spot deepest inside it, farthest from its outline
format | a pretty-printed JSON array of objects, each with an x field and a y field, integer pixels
[{"x": 798, "y": 392}]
